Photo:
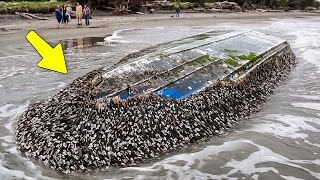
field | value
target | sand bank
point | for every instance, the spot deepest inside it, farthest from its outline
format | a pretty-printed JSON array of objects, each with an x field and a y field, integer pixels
[{"x": 13, "y": 31}]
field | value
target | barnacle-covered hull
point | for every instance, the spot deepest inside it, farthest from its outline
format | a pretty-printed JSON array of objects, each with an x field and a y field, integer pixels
[{"x": 177, "y": 93}]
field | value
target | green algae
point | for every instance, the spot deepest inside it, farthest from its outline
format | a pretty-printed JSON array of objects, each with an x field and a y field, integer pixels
[
  {"x": 200, "y": 37},
  {"x": 234, "y": 57},
  {"x": 202, "y": 59},
  {"x": 251, "y": 56},
  {"x": 231, "y": 62},
  {"x": 230, "y": 51}
]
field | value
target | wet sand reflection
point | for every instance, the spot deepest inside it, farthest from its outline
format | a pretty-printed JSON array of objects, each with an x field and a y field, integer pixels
[{"x": 81, "y": 42}]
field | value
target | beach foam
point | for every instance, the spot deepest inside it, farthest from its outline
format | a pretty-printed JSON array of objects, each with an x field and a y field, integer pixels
[{"x": 314, "y": 106}]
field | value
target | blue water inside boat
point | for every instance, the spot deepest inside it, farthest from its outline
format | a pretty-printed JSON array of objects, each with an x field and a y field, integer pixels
[
  {"x": 177, "y": 90},
  {"x": 231, "y": 74},
  {"x": 181, "y": 89}
]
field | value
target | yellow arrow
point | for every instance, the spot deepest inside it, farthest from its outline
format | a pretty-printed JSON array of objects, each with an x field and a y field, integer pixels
[{"x": 52, "y": 58}]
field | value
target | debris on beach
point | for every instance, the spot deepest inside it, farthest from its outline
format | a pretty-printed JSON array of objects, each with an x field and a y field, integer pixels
[
  {"x": 131, "y": 112},
  {"x": 30, "y": 16}
]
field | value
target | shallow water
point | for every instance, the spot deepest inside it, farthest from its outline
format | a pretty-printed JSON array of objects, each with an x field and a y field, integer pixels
[{"x": 282, "y": 141}]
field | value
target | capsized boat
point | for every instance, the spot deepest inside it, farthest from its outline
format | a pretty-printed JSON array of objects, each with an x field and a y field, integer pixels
[
  {"x": 155, "y": 100},
  {"x": 180, "y": 68}
]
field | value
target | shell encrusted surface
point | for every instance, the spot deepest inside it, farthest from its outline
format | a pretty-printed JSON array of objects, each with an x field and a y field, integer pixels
[{"x": 68, "y": 132}]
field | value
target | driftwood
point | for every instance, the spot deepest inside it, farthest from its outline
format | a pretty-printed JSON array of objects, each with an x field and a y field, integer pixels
[
  {"x": 24, "y": 15},
  {"x": 109, "y": 8},
  {"x": 248, "y": 6},
  {"x": 222, "y": 5},
  {"x": 30, "y": 16},
  {"x": 122, "y": 6},
  {"x": 36, "y": 17}
]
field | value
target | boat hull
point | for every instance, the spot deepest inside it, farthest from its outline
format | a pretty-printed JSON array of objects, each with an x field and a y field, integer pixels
[{"x": 75, "y": 130}]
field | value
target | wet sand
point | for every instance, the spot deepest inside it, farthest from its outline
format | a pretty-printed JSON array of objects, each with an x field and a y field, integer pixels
[{"x": 12, "y": 32}]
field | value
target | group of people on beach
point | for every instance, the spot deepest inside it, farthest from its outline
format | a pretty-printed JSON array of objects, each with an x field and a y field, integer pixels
[{"x": 63, "y": 14}]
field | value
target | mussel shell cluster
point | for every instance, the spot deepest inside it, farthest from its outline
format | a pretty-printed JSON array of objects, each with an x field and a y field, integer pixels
[{"x": 68, "y": 132}]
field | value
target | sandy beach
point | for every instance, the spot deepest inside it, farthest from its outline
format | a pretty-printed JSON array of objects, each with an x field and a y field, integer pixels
[{"x": 12, "y": 32}]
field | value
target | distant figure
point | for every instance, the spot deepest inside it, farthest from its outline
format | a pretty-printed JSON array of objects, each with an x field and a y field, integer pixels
[
  {"x": 62, "y": 19},
  {"x": 69, "y": 11},
  {"x": 177, "y": 11},
  {"x": 79, "y": 13},
  {"x": 58, "y": 16},
  {"x": 86, "y": 13},
  {"x": 65, "y": 14}
]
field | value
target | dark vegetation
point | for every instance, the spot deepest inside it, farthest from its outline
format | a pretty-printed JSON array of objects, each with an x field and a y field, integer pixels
[
  {"x": 127, "y": 6},
  {"x": 29, "y": 6},
  {"x": 291, "y": 4},
  {"x": 273, "y": 4}
]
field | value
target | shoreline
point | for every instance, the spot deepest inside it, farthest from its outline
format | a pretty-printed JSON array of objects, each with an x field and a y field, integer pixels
[{"x": 13, "y": 33}]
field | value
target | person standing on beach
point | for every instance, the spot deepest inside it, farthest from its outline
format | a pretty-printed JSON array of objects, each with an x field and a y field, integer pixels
[
  {"x": 62, "y": 15},
  {"x": 177, "y": 11},
  {"x": 79, "y": 13},
  {"x": 65, "y": 13},
  {"x": 86, "y": 12},
  {"x": 58, "y": 16},
  {"x": 69, "y": 11}
]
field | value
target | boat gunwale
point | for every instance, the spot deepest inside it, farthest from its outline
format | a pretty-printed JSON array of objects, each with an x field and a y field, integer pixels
[
  {"x": 246, "y": 68},
  {"x": 119, "y": 64}
]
